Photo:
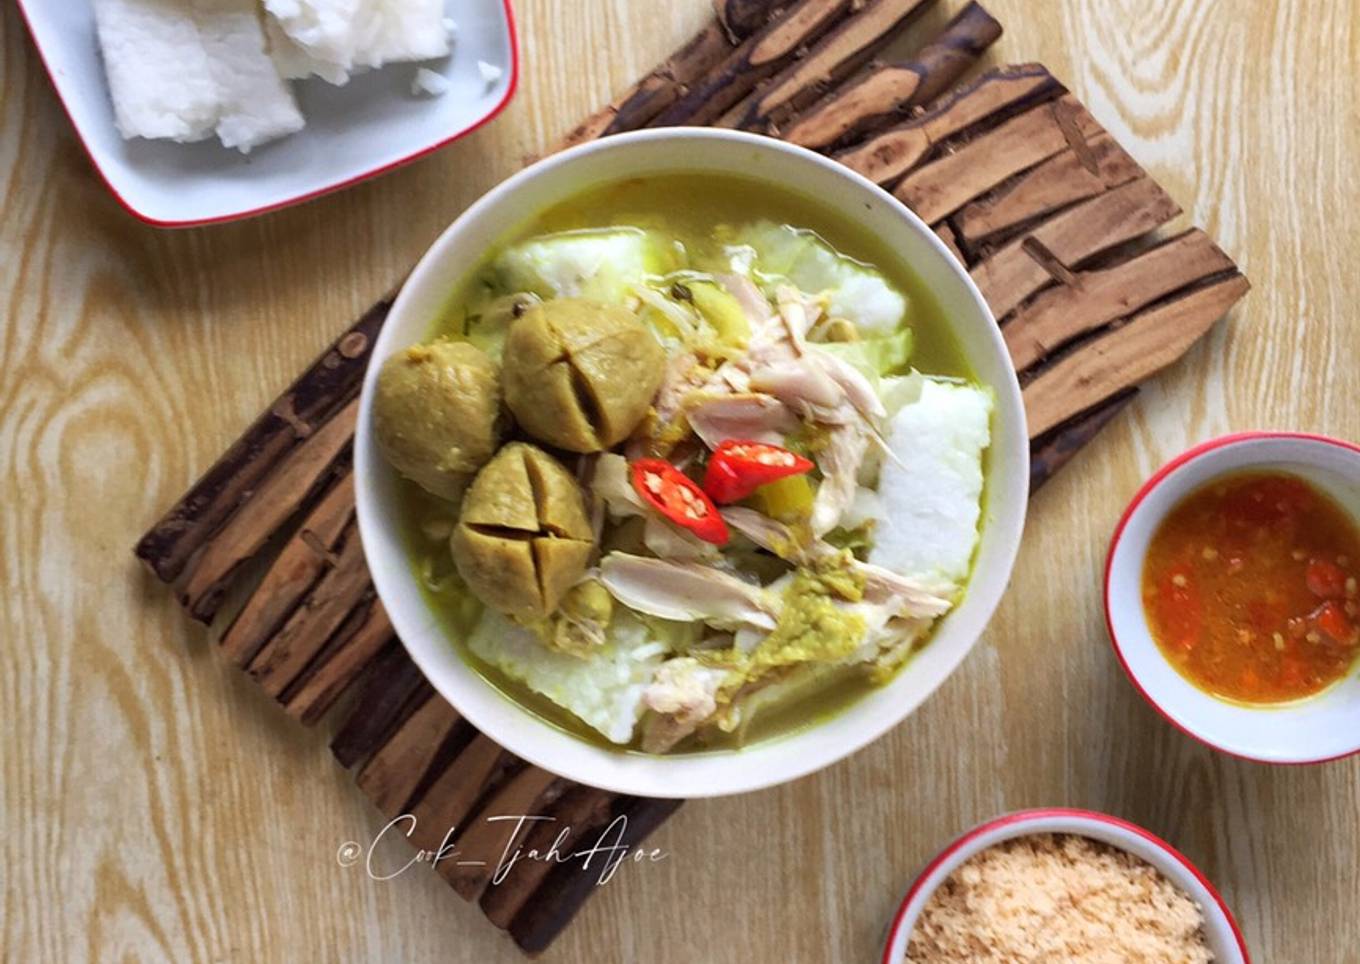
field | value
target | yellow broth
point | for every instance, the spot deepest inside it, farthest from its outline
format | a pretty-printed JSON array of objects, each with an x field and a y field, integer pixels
[{"x": 686, "y": 207}]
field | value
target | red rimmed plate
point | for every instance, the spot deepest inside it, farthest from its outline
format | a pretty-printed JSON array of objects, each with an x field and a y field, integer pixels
[{"x": 368, "y": 127}]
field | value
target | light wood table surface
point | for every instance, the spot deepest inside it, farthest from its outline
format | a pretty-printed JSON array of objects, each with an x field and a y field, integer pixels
[{"x": 154, "y": 805}]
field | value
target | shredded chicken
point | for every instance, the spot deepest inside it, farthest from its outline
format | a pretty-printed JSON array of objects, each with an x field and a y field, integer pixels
[
  {"x": 687, "y": 591},
  {"x": 839, "y": 461},
  {"x": 773, "y": 536},
  {"x": 756, "y": 417},
  {"x": 683, "y": 694},
  {"x": 856, "y": 388},
  {"x": 894, "y": 643},
  {"x": 683, "y": 375},
  {"x": 799, "y": 314},
  {"x": 801, "y": 385},
  {"x": 748, "y": 297},
  {"x": 908, "y": 596},
  {"x": 666, "y": 541},
  {"x": 902, "y": 596}
]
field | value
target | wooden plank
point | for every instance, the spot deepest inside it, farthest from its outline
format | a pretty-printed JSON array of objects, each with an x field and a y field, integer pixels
[
  {"x": 741, "y": 18},
  {"x": 1063, "y": 313},
  {"x": 1055, "y": 449},
  {"x": 642, "y": 102},
  {"x": 309, "y": 402},
  {"x": 294, "y": 483},
  {"x": 580, "y": 811},
  {"x": 454, "y": 793},
  {"x": 308, "y": 553},
  {"x": 839, "y": 54},
  {"x": 762, "y": 56},
  {"x": 335, "y": 670},
  {"x": 339, "y": 592},
  {"x": 945, "y": 233},
  {"x": 1064, "y": 179},
  {"x": 886, "y": 157},
  {"x": 1138, "y": 350},
  {"x": 893, "y": 90},
  {"x": 392, "y": 688},
  {"x": 570, "y": 885},
  {"x": 943, "y": 186},
  {"x": 489, "y": 834},
  {"x": 391, "y": 777},
  {"x": 1013, "y": 273}
]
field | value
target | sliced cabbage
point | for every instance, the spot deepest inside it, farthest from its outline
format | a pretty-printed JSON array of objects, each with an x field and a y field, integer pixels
[
  {"x": 874, "y": 357},
  {"x": 856, "y": 291},
  {"x": 604, "y": 264},
  {"x": 723, "y": 312},
  {"x": 897, "y": 391}
]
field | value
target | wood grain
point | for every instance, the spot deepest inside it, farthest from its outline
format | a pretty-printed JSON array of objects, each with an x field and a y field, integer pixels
[{"x": 158, "y": 806}]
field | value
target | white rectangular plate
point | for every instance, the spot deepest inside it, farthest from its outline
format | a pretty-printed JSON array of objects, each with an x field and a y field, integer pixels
[{"x": 371, "y": 125}]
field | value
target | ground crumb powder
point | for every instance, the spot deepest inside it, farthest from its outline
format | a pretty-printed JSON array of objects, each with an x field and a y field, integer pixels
[{"x": 1054, "y": 899}]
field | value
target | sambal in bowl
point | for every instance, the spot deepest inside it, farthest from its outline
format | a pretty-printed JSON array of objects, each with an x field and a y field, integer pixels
[{"x": 1231, "y": 595}]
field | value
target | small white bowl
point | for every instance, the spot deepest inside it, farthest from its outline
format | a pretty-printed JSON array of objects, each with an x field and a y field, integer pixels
[
  {"x": 1220, "y": 929},
  {"x": 719, "y": 152},
  {"x": 1314, "y": 730},
  {"x": 368, "y": 127}
]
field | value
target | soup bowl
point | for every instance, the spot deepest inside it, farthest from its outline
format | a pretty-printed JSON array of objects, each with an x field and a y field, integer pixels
[
  {"x": 785, "y": 756},
  {"x": 1315, "y": 729}
]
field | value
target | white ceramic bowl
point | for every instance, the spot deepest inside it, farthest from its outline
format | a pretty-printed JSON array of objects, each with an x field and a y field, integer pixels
[
  {"x": 769, "y": 762},
  {"x": 1315, "y": 730},
  {"x": 1224, "y": 937}
]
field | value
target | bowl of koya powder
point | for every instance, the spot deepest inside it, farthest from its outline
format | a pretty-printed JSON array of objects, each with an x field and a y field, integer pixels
[{"x": 1063, "y": 885}]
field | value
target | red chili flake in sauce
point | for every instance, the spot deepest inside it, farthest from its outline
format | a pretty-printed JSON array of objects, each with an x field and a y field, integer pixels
[{"x": 1250, "y": 588}]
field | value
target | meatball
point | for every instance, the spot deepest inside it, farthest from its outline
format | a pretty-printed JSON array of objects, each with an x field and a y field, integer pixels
[
  {"x": 523, "y": 536},
  {"x": 436, "y": 414},
  {"x": 580, "y": 375}
]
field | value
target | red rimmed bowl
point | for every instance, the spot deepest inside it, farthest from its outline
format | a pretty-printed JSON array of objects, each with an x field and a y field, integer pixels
[
  {"x": 1313, "y": 730},
  {"x": 1220, "y": 929}
]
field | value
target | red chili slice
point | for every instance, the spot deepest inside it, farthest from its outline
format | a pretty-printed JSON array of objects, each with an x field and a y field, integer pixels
[
  {"x": 676, "y": 496},
  {"x": 739, "y": 467}
]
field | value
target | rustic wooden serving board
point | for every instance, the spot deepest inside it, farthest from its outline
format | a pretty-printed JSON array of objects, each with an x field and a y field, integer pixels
[{"x": 1057, "y": 224}]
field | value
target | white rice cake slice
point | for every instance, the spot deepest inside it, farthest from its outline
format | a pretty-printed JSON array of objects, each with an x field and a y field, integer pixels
[
  {"x": 332, "y": 39},
  {"x": 159, "y": 77},
  {"x": 604, "y": 691},
  {"x": 294, "y": 62},
  {"x": 396, "y": 31},
  {"x": 255, "y": 103},
  {"x": 186, "y": 70},
  {"x": 931, "y": 502},
  {"x": 323, "y": 29}
]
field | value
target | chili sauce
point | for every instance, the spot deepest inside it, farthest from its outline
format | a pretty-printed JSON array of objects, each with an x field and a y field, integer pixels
[{"x": 1249, "y": 587}]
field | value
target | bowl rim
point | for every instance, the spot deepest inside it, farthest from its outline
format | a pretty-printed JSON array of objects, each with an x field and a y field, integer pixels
[
  {"x": 1077, "y": 816},
  {"x": 1006, "y": 525},
  {"x": 303, "y": 197},
  {"x": 1146, "y": 489}
]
